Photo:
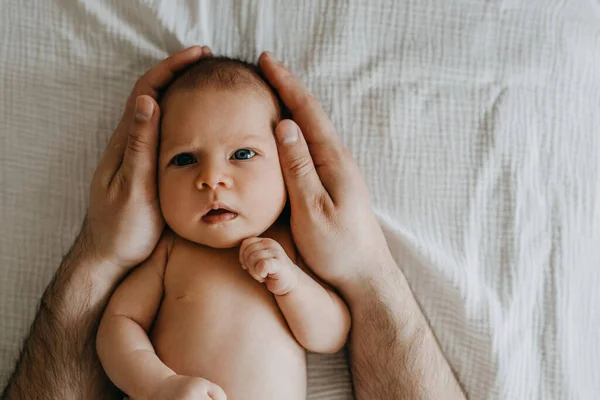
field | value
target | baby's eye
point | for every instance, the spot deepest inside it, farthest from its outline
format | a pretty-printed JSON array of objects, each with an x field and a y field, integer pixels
[
  {"x": 243, "y": 154},
  {"x": 183, "y": 159}
]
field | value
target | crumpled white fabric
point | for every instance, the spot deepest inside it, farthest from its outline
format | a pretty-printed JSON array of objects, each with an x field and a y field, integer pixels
[{"x": 474, "y": 123}]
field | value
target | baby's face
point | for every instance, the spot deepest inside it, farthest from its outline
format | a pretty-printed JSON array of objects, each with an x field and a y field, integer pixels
[{"x": 217, "y": 150}]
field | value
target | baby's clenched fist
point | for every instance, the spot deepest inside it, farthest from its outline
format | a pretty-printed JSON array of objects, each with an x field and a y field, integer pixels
[
  {"x": 266, "y": 261},
  {"x": 181, "y": 387}
]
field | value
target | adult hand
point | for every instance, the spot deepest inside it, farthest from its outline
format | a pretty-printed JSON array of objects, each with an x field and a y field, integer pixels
[
  {"x": 337, "y": 234},
  {"x": 124, "y": 222},
  {"x": 332, "y": 222}
]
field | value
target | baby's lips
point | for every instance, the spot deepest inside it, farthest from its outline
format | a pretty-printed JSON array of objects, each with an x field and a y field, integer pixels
[
  {"x": 219, "y": 206},
  {"x": 219, "y": 211}
]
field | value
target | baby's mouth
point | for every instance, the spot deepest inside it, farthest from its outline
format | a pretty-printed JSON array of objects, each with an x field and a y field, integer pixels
[
  {"x": 218, "y": 211},
  {"x": 219, "y": 215}
]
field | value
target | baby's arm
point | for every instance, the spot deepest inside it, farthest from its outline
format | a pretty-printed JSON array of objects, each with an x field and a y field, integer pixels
[
  {"x": 123, "y": 346},
  {"x": 317, "y": 316}
]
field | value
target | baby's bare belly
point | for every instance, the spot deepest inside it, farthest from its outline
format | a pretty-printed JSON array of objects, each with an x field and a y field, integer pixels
[{"x": 221, "y": 325}]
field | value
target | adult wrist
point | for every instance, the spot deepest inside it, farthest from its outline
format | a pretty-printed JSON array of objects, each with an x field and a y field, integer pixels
[
  {"x": 380, "y": 277},
  {"x": 88, "y": 258},
  {"x": 81, "y": 286}
]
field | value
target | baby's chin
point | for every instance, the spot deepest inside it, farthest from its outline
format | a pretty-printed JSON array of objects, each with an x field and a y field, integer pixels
[
  {"x": 221, "y": 242},
  {"x": 216, "y": 241},
  {"x": 219, "y": 238}
]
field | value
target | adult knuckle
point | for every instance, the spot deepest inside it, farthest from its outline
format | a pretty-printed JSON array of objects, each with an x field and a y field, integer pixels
[
  {"x": 120, "y": 184},
  {"x": 288, "y": 79},
  {"x": 299, "y": 94},
  {"x": 337, "y": 152},
  {"x": 300, "y": 165},
  {"x": 345, "y": 154},
  {"x": 318, "y": 205},
  {"x": 306, "y": 98},
  {"x": 135, "y": 143}
]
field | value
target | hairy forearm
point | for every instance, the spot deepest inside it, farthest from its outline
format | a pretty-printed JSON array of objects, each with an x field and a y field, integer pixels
[
  {"x": 319, "y": 319},
  {"x": 394, "y": 353},
  {"x": 58, "y": 359}
]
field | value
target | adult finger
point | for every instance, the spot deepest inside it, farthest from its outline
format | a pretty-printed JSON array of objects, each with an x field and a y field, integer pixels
[
  {"x": 156, "y": 78},
  {"x": 302, "y": 181},
  {"x": 140, "y": 159},
  {"x": 149, "y": 84},
  {"x": 328, "y": 154},
  {"x": 306, "y": 110}
]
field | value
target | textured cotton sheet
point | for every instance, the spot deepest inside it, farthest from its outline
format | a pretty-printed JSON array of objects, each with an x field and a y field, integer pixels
[{"x": 474, "y": 123}]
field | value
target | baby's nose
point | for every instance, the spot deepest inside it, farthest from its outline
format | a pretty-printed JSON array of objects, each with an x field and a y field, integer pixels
[{"x": 213, "y": 179}]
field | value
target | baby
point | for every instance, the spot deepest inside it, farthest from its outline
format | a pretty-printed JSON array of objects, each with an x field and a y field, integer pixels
[{"x": 224, "y": 299}]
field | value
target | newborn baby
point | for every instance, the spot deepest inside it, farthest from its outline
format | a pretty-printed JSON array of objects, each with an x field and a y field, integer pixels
[{"x": 224, "y": 299}]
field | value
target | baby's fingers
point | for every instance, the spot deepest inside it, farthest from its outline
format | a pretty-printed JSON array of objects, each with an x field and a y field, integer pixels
[
  {"x": 253, "y": 258},
  {"x": 284, "y": 280},
  {"x": 244, "y": 248},
  {"x": 267, "y": 267},
  {"x": 253, "y": 273}
]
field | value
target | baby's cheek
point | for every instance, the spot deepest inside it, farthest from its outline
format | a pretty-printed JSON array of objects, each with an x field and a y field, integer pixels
[{"x": 269, "y": 197}]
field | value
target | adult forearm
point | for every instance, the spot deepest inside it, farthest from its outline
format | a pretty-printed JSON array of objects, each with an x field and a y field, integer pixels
[
  {"x": 393, "y": 351},
  {"x": 59, "y": 360}
]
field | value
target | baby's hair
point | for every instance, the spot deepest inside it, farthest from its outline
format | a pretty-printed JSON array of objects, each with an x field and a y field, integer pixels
[{"x": 223, "y": 72}]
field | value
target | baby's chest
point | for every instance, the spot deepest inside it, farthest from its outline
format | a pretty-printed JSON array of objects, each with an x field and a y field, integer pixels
[
  {"x": 212, "y": 307},
  {"x": 208, "y": 287},
  {"x": 195, "y": 272}
]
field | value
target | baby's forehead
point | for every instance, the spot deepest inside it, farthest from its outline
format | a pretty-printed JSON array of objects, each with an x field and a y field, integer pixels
[
  {"x": 254, "y": 101},
  {"x": 256, "y": 120}
]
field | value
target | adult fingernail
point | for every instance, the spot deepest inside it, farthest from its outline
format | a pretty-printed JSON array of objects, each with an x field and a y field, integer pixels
[
  {"x": 272, "y": 57},
  {"x": 287, "y": 134},
  {"x": 143, "y": 108},
  {"x": 196, "y": 49}
]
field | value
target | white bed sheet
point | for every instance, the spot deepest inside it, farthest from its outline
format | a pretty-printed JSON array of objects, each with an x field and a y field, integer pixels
[{"x": 475, "y": 124}]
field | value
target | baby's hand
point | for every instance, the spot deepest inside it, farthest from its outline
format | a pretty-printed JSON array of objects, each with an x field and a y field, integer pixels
[
  {"x": 181, "y": 387},
  {"x": 266, "y": 261}
]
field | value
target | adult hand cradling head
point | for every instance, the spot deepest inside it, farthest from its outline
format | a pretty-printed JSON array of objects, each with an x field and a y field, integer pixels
[
  {"x": 332, "y": 222},
  {"x": 124, "y": 222}
]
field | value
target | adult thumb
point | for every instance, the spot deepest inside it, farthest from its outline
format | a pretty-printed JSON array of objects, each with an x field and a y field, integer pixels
[
  {"x": 301, "y": 178},
  {"x": 140, "y": 158}
]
